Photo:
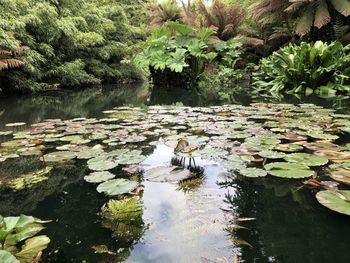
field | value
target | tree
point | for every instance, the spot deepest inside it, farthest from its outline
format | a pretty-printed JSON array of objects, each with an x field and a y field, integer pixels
[{"x": 309, "y": 14}]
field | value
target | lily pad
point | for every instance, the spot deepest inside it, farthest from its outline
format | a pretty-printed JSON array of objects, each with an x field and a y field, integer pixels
[
  {"x": 15, "y": 124},
  {"x": 333, "y": 155},
  {"x": 272, "y": 154},
  {"x": 60, "y": 156},
  {"x": 338, "y": 201},
  {"x": 307, "y": 159},
  {"x": 341, "y": 175},
  {"x": 288, "y": 170},
  {"x": 289, "y": 147},
  {"x": 103, "y": 163},
  {"x": 99, "y": 177},
  {"x": 117, "y": 187},
  {"x": 167, "y": 174},
  {"x": 253, "y": 172}
]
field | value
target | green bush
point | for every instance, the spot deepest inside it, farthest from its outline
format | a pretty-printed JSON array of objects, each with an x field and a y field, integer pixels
[
  {"x": 68, "y": 43},
  {"x": 319, "y": 68},
  {"x": 177, "y": 50}
]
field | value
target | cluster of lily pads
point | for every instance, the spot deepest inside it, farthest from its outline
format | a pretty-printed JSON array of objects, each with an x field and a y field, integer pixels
[{"x": 279, "y": 140}]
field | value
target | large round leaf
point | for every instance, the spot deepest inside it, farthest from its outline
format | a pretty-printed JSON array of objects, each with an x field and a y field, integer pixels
[
  {"x": 99, "y": 177},
  {"x": 167, "y": 174},
  {"x": 253, "y": 172},
  {"x": 338, "y": 201},
  {"x": 307, "y": 159},
  {"x": 289, "y": 170},
  {"x": 103, "y": 163},
  {"x": 117, "y": 187},
  {"x": 333, "y": 155},
  {"x": 60, "y": 156},
  {"x": 341, "y": 175}
]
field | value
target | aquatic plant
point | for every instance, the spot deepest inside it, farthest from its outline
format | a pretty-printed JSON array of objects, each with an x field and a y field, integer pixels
[
  {"x": 319, "y": 68},
  {"x": 16, "y": 230}
]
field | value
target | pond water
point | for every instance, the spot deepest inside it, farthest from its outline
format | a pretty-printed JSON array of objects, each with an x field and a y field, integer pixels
[{"x": 220, "y": 217}]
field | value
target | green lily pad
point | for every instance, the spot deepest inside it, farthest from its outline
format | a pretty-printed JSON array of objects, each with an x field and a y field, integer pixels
[
  {"x": 338, "y": 201},
  {"x": 99, "y": 177},
  {"x": 75, "y": 139},
  {"x": 307, "y": 159},
  {"x": 167, "y": 174},
  {"x": 253, "y": 172},
  {"x": 103, "y": 163},
  {"x": 60, "y": 156},
  {"x": 88, "y": 154},
  {"x": 289, "y": 170},
  {"x": 289, "y": 147},
  {"x": 272, "y": 154},
  {"x": 117, "y": 187}
]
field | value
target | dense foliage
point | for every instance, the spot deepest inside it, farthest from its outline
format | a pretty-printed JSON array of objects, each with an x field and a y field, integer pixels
[
  {"x": 178, "y": 48},
  {"x": 306, "y": 68},
  {"x": 67, "y": 42},
  {"x": 306, "y": 15}
]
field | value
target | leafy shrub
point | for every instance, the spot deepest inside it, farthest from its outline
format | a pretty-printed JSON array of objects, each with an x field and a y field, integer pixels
[
  {"x": 177, "y": 48},
  {"x": 306, "y": 68},
  {"x": 68, "y": 43},
  {"x": 16, "y": 230}
]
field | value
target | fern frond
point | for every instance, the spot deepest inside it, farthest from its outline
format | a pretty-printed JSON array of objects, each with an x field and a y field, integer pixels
[
  {"x": 8, "y": 63},
  {"x": 322, "y": 16},
  {"x": 342, "y": 6}
]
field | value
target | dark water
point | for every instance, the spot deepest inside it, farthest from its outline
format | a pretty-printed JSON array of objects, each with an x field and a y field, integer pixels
[{"x": 178, "y": 226}]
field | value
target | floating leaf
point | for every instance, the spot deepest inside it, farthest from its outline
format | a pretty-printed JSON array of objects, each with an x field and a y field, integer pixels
[
  {"x": 289, "y": 170},
  {"x": 338, "y": 201},
  {"x": 117, "y": 187},
  {"x": 99, "y": 177},
  {"x": 290, "y": 147},
  {"x": 253, "y": 172},
  {"x": 341, "y": 175},
  {"x": 271, "y": 154},
  {"x": 333, "y": 155},
  {"x": 166, "y": 174},
  {"x": 307, "y": 159},
  {"x": 15, "y": 124},
  {"x": 60, "y": 156}
]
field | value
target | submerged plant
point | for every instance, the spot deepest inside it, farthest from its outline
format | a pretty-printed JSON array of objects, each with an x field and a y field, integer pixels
[
  {"x": 124, "y": 218},
  {"x": 14, "y": 231},
  {"x": 319, "y": 68}
]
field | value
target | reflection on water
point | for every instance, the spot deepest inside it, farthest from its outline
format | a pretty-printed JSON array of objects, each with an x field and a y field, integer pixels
[{"x": 180, "y": 225}]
